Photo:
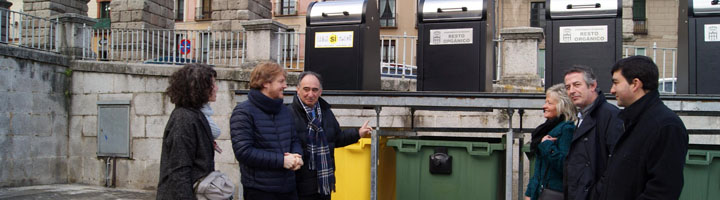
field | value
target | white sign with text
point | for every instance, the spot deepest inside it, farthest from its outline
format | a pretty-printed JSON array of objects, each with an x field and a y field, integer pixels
[
  {"x": 583, "y": 34},
  {"x": 712, "y": 33},
  {"x": 451, "y": 36},
  {"x": 340, "y": 39}
]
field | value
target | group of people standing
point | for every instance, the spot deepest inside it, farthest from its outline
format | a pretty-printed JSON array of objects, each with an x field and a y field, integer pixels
[
  {"x": 589, "y": 149},
  {"x": 284, "y": 152}
]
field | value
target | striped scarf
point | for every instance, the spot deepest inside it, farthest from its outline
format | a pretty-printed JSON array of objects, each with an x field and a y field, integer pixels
[{"x": 320, "y": 158}]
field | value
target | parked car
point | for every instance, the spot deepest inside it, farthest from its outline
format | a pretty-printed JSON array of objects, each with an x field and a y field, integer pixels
[
  {"x": 667, "y": 85},
  {"x": 170, "y": 60}
]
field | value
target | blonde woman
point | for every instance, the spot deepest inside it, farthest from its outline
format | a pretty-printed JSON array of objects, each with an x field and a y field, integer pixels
[{"x": 550, "y": 144}]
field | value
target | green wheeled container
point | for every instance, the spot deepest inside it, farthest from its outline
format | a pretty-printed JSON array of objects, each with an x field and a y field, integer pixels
[
  {"x": 702, "y": 175},
  {"x": 474, "y": 170},
  {"x": 531, "y": 157}
]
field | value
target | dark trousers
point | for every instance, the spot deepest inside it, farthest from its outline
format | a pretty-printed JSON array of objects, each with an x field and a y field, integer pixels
[
  {"x": 315, "y": 196},
  {"x": 254, "y": 194}
]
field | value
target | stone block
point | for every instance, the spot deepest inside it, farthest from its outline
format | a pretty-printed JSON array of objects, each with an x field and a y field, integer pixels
[
  {"x": 147, "y": 148},
  {"x": 21, "y": 169},
  {"x": 224, "y": 104},
  {"x": 136, "y": 15},
  {"x": 157, "y": 84},
  {"x": 4, "y": 124},
  {"x": 76, "y": 125},
  {"x": 243, "y": 15},
  {"x": 216, "y": 15},
  {"x": 20, "y": 102},
  {"x": 17, "y": 146},
  {"x": 220, "y": 5},
  {"x": 46, "y": 147},
  {"x": 135, "y": 4},
  {"x": 5, "y": 101},
  {"x": 93, "y": 170},
  {"x": 41, "y": 124},
  {"x": 118, "y": 6},
  {"x": 114, "y": 17},
  {"x": 169, "y": 106},
  {"x": 155, "y": 126},
  {"x": 118, "y": 25},
  {"x": 42, "y": 103},
  {"x": 74, "y": 168},
  {"x": 27, "y": 6},
  {"x": 60, "y": 125},
  {"x": 82, "y": 104},
  {"x": 223, "y": 121},
  {"x": 125, "y": 16},
  {"x": 220, "y": 25},
  {"x": 90, "y": 128},
  {"x": 137, "y": 126},
  {"x": 227, "y": 155},
  {"x": 22, "y": 124},
  {"x": 115, "y": 97},
  {"x": 228, "y": 14},
  {"x": 148, "y": 104},
  {"x": 22, "y": 81},
  {"x": 98, "y": 83}
]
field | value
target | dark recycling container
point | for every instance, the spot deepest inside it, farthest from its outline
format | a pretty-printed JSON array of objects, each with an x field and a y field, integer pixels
[
  {"x": 342, "y": 44},
  {"x": 582, "y": 32},
  {"x": 699, "y": 48},
  {"x": 451, "y": 43}
]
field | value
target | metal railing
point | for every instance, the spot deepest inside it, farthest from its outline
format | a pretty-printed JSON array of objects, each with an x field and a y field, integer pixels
[
  {"x": 165, "y": 46},
  {"x": 28, "y": 31},
  {"x": 397, "y": 56},
  {"x": 640, "y": 26},
  {"x": 665, "y": 59},
  {"x": 290, "y": 50}
]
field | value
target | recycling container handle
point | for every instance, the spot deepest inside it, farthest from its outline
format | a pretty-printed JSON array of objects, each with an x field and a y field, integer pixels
[
  {"x": 461, "y": 9},
  {"x": 343, "y": 13},
  {"x": 702, "y": 161},
  {"x": 714, "y": 2},
  {"x": 360, "y": 145},
  {"x": 408, "y": 146},
  {"x": 596, "y": 5},
  {"x": 482, "y": 149}
]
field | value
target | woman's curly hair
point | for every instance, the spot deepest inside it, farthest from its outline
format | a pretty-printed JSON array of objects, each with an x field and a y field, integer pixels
[{"x": 191, "y": 86}]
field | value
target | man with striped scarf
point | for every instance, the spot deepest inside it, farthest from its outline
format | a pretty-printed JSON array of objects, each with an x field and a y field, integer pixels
[{"x": 319, "y": 133}]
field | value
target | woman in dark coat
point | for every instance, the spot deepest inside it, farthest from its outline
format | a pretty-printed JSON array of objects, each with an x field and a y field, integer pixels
[
  {"x": 264, "y": 138},
  {"x": 551, "y": 142},
  {"x": 187, "y": 148}
]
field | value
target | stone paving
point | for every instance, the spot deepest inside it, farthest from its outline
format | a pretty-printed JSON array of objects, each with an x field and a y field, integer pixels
[{"x": 64, "y": 191}]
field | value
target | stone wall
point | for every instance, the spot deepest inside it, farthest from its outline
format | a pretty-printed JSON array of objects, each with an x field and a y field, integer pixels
[
  {"x": 144, "y": 86},
  {"x": 33, "y": 117},
  {"x": 47, "y": 8}
]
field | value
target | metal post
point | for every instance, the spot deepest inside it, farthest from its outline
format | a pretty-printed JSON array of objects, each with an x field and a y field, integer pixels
[
  {"x": 375, "y": 139},
  {"x": 521, "y": 159},
  {"x": 277, "y": 60},
  {"x": 509, "y": 137}
]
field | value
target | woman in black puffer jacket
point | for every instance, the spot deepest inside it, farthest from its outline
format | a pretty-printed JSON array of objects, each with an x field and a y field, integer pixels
[{"x": 264, "y": 138}]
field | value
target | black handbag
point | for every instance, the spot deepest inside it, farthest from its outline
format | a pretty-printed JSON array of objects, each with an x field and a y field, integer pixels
[{"x": 548, "y": 194}]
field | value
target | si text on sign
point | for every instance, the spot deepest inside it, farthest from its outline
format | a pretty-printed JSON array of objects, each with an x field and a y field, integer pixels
[{"x": 340, "y": 39}]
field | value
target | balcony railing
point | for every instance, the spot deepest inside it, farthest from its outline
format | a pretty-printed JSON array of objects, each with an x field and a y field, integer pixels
[
  {"x": 640, "y": 27},
  {"x": 28, "y": 31}
]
